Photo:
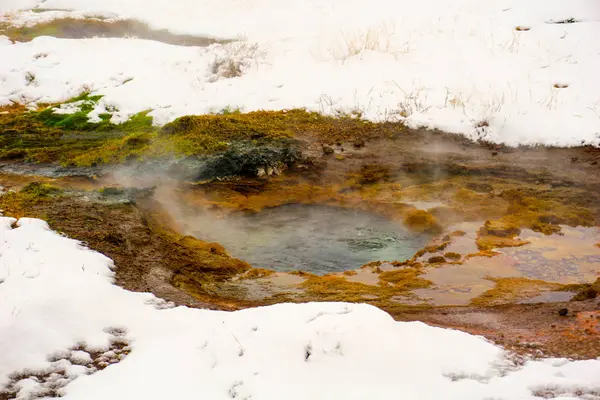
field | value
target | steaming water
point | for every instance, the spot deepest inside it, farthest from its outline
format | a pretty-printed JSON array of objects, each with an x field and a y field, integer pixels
[{"x": 316, "y": 239}]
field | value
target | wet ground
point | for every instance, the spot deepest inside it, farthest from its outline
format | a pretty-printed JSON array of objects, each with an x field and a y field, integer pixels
[{"x": 568, "y": 258}]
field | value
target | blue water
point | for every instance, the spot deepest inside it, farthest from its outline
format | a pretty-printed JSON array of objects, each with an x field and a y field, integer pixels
[{"x": 311, "y": 238}]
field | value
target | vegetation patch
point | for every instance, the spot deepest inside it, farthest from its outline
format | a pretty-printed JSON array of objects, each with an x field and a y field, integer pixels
[
  {"x": 63, "y": 133},
  {"x": 19, "y": 204},
  {"x": 205, "y": 133}
]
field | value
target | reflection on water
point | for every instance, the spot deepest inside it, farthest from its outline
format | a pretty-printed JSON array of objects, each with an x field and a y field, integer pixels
[{"x": 568, "y": 258}]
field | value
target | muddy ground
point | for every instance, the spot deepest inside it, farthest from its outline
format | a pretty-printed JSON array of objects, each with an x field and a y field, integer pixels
[{"x": 475, "y": 181}]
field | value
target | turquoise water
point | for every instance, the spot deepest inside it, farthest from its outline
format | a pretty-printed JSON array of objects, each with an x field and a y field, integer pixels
[{"x": 316, "y": 239}]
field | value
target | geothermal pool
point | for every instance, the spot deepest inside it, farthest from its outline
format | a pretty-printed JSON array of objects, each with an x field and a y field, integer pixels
[{"x": 312, "y": 238}]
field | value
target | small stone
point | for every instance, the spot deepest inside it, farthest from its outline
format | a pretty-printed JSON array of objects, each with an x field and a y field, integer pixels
[
  {"x": 452, "y": 256},
  {"x": 358, "y": 143},
  {"x": 563, "y": 312},
  {"x": 328, "y": 150},
  {"x": 436, "y": 260}
]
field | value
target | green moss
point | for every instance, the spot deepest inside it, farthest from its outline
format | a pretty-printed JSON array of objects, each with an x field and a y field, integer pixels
[
  {"x": 71, "y": 139},
  {"x": 78, "y": 120},
  {"x": 228, "y": 110},
  {"x": 112, "y": 191},
  {"x": 214, "y": 129},
  {"x": 114, "y": 151},
  {"x": 45, "y": 136},
  {"x": 38, "y": 189},
  {"x": 20, "y": 204}
]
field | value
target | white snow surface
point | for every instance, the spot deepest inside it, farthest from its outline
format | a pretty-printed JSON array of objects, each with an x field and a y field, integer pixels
[
  {"x": 57, "y": 300},
  {"x": 455, "y": 65}
]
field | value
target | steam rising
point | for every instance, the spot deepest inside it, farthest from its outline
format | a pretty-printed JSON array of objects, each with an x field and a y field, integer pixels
[{"x": 312, "y": 238}]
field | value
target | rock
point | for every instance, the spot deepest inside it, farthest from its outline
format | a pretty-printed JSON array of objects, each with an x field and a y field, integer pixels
[
  {"x": 452, "y": 256},
  {"x": 358, "y": 143},
  {"x": 422, "y": 221},
  {"x": 499, "y": 228},
  {"x": 436, "y": 260},
  {"x": 590, "y": 292},
  {"x": 371, "y": 173},
  {"x": 328, "y": 150},
  {"x": 492, "y": 242},
  {"x": 479, "y": 187},
  {"x": 254, "y": 162},
  {"x": 563, "y": 312}
]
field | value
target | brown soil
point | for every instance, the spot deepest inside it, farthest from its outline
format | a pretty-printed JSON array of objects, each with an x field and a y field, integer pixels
[{"x": 533, "y": 329}]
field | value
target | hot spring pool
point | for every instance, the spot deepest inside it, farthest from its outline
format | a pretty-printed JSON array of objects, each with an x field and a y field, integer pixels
[{"x": 311, "y": 238}]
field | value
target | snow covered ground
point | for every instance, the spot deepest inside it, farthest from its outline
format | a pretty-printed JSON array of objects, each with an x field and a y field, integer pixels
[
  {"x": 65, "y": 329},
  {"x": 461, "y": 65}
]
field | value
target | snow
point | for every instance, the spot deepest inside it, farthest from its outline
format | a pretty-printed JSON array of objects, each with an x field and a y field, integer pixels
[
  {"x": 455, "y": 65},
  {"x": 64, "y": 327}
]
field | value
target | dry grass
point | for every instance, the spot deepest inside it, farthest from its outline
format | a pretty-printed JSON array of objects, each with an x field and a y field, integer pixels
[
  {"x": 235, "y": 59},
  {"x": 413, "y": 102},
  {"x": 380, "y": 38}
]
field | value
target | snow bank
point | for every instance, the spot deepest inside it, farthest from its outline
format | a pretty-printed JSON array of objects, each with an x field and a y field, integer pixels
[
  {"x": 14, "y": 5},
  {"x": 66, "y": 330},
  {"x": 460, "y": 65}
]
